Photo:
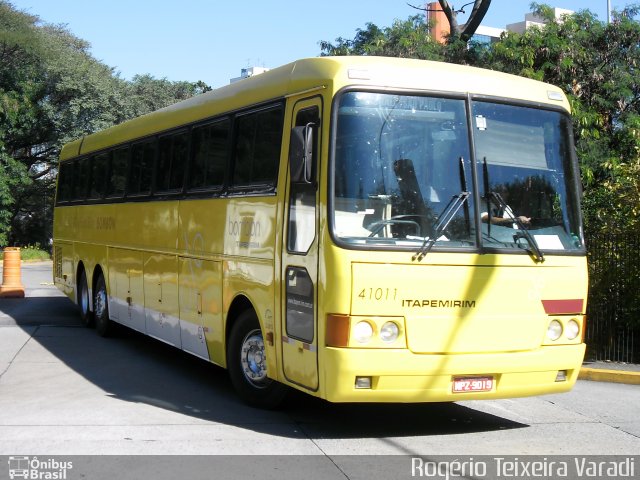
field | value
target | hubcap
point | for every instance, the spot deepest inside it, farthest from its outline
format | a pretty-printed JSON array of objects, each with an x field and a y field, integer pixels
[
  {"x": 100, "y": 302},
  {"x": 253, "y": 359}
]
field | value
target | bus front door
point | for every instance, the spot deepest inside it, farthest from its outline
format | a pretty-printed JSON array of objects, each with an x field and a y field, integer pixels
[{"x": 300, "y": 263}]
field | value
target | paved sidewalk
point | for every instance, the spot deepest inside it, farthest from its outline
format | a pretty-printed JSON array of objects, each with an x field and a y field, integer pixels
[{"x": 611, "y": 372}]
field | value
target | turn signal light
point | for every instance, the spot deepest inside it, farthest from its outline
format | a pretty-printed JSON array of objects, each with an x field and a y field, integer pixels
[{"x": 338, "y": 327}]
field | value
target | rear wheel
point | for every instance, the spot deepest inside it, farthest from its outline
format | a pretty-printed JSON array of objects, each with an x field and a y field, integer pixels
[
  {"x": 86, "y": 316},
  {"x": 104, "y": 325},
  {"x": 247, "y": 364}
]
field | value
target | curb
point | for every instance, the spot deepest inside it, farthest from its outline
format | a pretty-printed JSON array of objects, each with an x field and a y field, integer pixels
[{"x": 614, "y": 376}]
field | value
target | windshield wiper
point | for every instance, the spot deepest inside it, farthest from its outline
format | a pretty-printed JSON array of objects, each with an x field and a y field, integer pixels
[
  {"x": 502, "y": 205},
  {"x": 522, "y": 231},
  {"x": 444, "y": 219}
]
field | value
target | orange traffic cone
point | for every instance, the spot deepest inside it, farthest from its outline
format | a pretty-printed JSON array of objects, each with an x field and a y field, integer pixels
[{"x": 11, "y": 282}]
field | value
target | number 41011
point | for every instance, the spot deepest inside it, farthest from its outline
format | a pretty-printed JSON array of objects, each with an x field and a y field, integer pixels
[{"x": 381, "y": 293}]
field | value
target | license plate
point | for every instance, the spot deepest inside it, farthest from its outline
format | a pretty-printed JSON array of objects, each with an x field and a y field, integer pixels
[{"x": 472, "y": 384}]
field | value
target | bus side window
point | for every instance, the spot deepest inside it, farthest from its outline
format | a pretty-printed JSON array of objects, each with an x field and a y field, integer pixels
[
  {"x": 118, "y": 172},
  {"x": 210, "y": 149},
  {"x": 83, "y": 171},
  {"x": 172, "y": 159},
  {"x": 141, "y": 171},
  {"x": 257, "y": 148},
  {"x": 66, "y": 182},
  {"x": 302, "y": 200},
  {"x": 99, "y": 165}
]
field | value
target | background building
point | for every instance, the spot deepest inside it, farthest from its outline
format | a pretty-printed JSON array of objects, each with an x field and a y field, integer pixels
[
  {"x": 532, "y": 20},
  {"x": 438, "y": 21},
  {"x": 249, "y": 72}
]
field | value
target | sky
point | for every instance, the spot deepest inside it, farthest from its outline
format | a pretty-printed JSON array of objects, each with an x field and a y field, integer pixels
[{"x": 212, "y": 40}]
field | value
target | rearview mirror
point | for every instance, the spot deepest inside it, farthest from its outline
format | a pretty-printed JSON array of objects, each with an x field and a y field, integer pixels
[{"x": 301, "y": 154}]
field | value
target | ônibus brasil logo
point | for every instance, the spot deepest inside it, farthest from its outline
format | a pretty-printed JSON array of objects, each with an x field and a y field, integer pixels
[{"x": 36, "y": 469}]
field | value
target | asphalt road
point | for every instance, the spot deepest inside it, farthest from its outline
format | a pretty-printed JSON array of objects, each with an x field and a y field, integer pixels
[{"x": 66, "y": 391}]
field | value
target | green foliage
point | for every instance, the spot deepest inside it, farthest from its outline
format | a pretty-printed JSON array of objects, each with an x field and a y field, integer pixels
[
  {"x": 52, "y": 91},
  {"x": 31, "y": 253},
  {"x": 409, "y": 38},
  {"x": 146, "y": 93}
]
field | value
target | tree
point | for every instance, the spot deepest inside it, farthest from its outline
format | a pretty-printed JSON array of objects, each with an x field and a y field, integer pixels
[
  {"x": 409, "y": 38},
  {"x": 145, "y": 93},
  {"x": 52, "y": 91},
  {"x": 467, "y": 30}
]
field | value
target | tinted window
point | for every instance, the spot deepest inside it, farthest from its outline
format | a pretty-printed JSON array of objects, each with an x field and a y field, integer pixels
[
  {"x": 257, "y": 151},
  {"x": 210, "y": 145},
  {"x": 66, "y": 182},
  {"x": 172, "y": 159},
  {"x": 141, "y": 174},
  {"x": 118, "y": 172},
  {"x": 99, "y": 165},
  {"x": 83, "y": 176}
]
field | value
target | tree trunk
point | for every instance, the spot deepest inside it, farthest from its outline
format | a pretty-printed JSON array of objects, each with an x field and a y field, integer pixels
[{"x": 466, "y": 31}]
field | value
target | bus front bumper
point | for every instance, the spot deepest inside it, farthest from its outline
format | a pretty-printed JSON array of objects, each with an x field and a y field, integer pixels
[{"x": 403, "y": 376}]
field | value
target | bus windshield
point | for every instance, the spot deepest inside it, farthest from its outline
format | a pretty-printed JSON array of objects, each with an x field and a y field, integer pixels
[
  {"x": 524, "y": 156},
  {"x": 401, "y": 161}
]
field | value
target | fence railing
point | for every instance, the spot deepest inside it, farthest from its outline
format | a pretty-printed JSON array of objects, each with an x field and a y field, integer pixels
[{"x": 613, "y": 311}]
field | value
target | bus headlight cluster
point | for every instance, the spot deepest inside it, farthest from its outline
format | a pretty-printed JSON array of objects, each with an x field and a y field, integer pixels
[
  {"x": 569, "y": 330},
  {"x": 372, "y": 334},
  {"x": 365, "y": 331}
]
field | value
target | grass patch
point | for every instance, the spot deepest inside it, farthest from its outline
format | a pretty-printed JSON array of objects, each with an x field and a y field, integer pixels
[{"x": 31, "y": 254}]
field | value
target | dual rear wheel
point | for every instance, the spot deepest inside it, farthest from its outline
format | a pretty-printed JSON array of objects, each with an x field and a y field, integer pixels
[
  {"x": 86, "y": 315},
  {"x": 104, "y": 326},
  {"x": 100, "y": 315},
  {"x": 246, "y": 356}
]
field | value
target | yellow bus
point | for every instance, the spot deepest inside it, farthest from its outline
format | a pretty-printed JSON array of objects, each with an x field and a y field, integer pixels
[{"x": 361, "y": 229}]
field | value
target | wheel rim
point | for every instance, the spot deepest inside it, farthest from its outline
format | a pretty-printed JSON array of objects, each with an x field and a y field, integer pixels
[
  {"x": 100, "y": 302},
  {"x": 254, "y": 360}
]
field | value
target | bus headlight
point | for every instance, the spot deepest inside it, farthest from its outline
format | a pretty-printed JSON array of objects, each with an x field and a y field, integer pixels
[
  {"x": 362, "y": 332},
  {"x": 573, "y": 330},
  {"x": 554, "y": 331},
  {"x": 389, "y": 332}
]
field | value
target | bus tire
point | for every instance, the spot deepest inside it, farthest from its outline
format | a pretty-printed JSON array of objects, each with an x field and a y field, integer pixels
[
  {"x": 247, "y": 365},
  {"x": 104, "y": 325},
  {"x": 86, "y": 316}
]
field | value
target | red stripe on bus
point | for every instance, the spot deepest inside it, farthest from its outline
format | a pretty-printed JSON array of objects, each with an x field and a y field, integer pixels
[{"x": 555, "y": 307}]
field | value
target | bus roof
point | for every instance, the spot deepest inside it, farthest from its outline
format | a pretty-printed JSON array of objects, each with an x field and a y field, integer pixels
[{"x": 321, "y": 73}]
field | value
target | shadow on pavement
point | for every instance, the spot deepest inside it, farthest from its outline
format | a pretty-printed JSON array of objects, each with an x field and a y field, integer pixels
[{"x": 135, "y": 368}]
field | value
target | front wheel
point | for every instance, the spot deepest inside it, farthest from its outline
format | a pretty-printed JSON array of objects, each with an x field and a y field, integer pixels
[
  {"x": 247, "y": 364},
  {"x": 104, "y": 325}
]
